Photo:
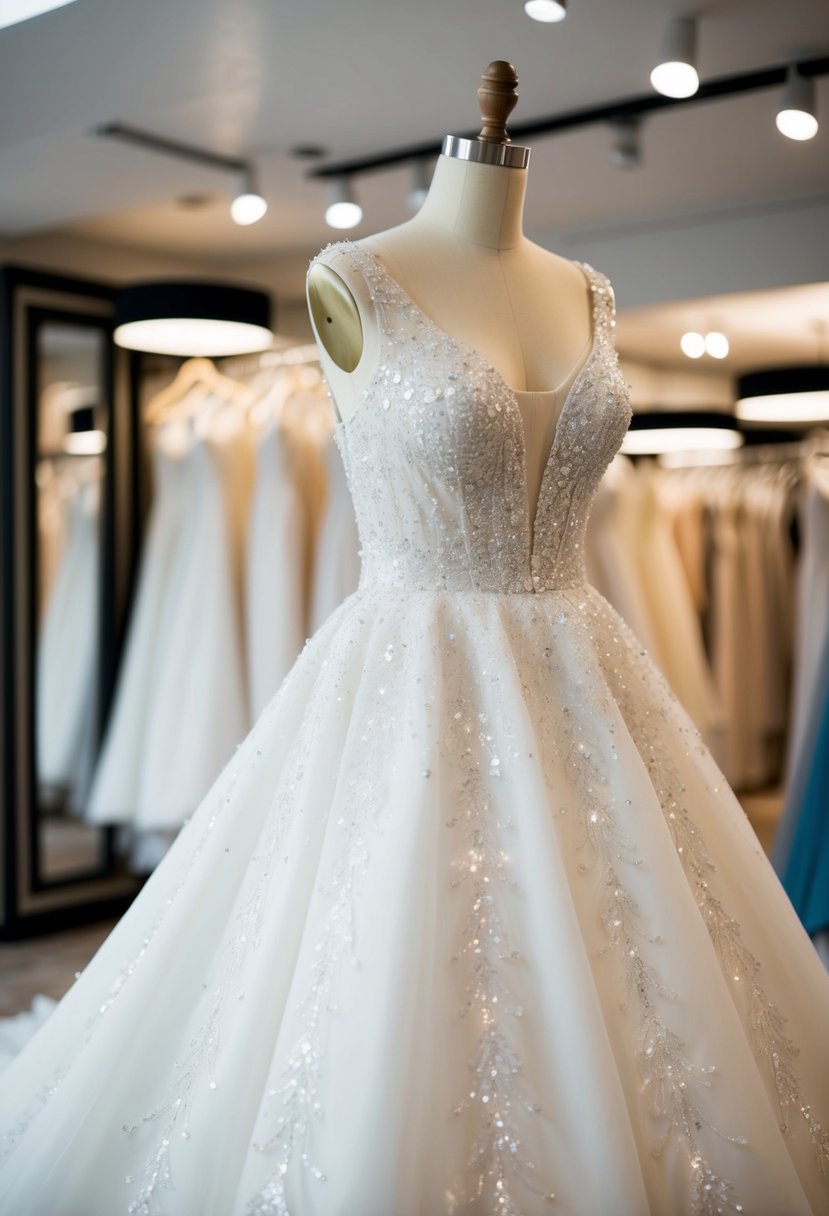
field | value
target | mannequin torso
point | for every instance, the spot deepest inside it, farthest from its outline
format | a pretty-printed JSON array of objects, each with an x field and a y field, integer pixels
[{"x": 465, "y": 262}]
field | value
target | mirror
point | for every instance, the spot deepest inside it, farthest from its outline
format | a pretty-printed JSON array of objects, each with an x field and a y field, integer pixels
[
  {"x": 72, "y": 431},
  {"x": 69, "y": 530}
]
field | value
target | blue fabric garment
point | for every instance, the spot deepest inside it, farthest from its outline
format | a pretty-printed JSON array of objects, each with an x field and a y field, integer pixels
[{"x": 801, "y": 853}]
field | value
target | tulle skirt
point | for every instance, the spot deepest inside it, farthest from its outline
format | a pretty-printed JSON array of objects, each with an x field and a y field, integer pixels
[{"x": 470, "y": 923}]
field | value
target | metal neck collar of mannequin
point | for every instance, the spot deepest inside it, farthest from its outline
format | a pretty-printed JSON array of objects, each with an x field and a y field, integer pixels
[{"x": 511, "y": 156}]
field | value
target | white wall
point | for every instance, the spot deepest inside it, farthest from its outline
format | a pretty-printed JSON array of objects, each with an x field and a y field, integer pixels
[{"x": 729, "y": 250}]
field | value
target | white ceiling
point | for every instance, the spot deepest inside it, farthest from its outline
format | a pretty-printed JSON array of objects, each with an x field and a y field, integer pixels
[
  {"x": 257, "y": 77},
  {"x": 254, "y": 78}
]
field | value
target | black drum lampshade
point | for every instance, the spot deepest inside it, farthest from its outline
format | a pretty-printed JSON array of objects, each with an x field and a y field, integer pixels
[
  {"x": 193, "y": 318},
  {"x": 785, "y": 396}
]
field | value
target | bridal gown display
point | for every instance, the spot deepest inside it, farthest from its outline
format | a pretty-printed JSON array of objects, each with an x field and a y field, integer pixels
[
  {"x": 470, "y": 922},
  {"x": 66, "y": 653},
  {"x": 180, "y": 707},
  {"x": 336, "y": 569},
  {"x": 277, "y": 544},
  {"x": 114, "y": 788}
]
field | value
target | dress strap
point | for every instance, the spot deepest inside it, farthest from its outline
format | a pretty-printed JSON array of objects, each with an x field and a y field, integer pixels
[{"x": 603, "y": 306}]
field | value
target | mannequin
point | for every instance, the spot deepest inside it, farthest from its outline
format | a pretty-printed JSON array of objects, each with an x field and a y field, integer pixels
[{"x": 466, "y": 263}]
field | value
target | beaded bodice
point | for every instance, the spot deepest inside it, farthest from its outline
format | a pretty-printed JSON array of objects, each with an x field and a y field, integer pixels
[{"x": 436, "y": 460}]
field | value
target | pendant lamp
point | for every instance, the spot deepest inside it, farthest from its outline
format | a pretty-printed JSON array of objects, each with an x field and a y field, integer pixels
[
  {"x": 785, "y": 396},
  {"x": 653, "y": 432},
  {"x": 83, "y": 437},
  {"x": 193, "y": 318}
]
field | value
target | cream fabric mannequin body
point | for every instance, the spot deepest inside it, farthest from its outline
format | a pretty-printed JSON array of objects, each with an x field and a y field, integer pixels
[{"x": 466, "y": 263}]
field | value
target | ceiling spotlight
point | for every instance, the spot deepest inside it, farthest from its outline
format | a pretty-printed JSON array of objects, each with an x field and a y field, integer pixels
[
  {"x": 421, "y": 180},
  {"x": 716, "y": 345},
  {"x": 546, "y": 10},
  {"x": 693, "y": 345},
  {"x": 343, "y": 210},
  {"x": 249, "y": 205},
  {"x": 625, "y": 150},
  {"x": 675, "y": 74},
  {"x": 797, "y": 116}
]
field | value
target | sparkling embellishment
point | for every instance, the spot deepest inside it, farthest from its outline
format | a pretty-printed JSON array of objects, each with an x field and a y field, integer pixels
[
  {"x": 465, "y": 436},
  {"x": 477, "y": 711}
]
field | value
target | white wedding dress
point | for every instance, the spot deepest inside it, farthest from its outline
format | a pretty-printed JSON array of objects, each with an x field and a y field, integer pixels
[
  {"x": 66, "y": 664},
  {"x": 336, "y": 569},
  {"x": 470, "y": 923},
  {"x": 118, "y": 772},
  {"x": 275, "y": 568}
]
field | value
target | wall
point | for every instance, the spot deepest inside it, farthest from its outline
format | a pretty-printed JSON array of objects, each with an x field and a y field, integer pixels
[{"x": 710, "y": 253}]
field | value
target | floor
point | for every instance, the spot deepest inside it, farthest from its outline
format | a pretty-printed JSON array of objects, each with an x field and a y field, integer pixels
[
  {"x": 48, "y": 964},
  {"x": 45, "y": 964}
]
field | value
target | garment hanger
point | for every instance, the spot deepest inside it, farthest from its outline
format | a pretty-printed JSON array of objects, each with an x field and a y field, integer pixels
[
  {"x": 281, "y": 385},
  {"x": 179, "y": 398}
]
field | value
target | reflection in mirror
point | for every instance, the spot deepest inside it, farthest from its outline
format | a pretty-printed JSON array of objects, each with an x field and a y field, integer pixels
[{"x": 72, "y": 427}]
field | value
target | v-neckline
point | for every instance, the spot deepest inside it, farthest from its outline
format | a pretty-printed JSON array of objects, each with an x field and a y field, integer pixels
[{"x": 532, "y": 517}]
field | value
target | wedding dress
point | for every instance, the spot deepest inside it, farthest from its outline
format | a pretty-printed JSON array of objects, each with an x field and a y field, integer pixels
[
  {"x": 180, "y": 708},
  {"x": 198, "y": 712},
  {"x": 275, "y": 569},
  {"x": 117, "y": 775},
  {"x": 336, "y": 569},
  {"x": 470, "y": 923},
  {"x": 66, "y": 663}
]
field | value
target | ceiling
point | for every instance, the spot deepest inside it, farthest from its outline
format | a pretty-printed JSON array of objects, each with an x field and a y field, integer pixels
[{"x": 255, "y": 78}]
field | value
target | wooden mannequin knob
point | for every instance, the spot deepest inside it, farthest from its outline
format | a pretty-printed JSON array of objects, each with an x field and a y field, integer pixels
[{"x": 497, "y": 97}]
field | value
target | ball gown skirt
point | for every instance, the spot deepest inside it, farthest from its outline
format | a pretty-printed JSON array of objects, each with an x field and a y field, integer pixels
[{"x": 470, "y": 923}]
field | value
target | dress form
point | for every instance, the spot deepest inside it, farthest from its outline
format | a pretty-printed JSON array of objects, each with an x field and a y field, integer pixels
[{"x": 465, "y": 261}]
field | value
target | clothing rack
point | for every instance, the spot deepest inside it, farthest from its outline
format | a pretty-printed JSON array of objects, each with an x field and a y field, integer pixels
[
  {"x": 816, "y": 445},
  {"x": 246, "y": 366}
]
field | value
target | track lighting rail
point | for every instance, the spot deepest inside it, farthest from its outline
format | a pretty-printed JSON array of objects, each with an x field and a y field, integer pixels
[
  {"x": 609, "y": 111},
  {"x": 172, "y": 147}
]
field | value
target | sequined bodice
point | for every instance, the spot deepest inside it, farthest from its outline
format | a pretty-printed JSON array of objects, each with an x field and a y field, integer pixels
[{"x": 436, "y": 461}]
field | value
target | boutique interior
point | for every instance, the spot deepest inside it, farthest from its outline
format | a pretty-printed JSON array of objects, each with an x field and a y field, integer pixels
[{"x": 175, "y": 517}]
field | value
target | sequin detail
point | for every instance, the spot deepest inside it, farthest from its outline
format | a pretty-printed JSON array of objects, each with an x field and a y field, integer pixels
[
  {"x": 740, "y": 966},
  {"x": 499, "y": 1092},
  {"x": 193, "y": 841},
  {"x": 437, "y": 415}
]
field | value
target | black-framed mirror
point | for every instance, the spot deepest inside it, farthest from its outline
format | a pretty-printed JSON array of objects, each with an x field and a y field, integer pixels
[{"x": 67, "y": 531}]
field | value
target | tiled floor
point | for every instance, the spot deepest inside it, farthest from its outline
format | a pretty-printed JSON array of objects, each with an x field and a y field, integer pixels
[{"x": 48, "y": 964}]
